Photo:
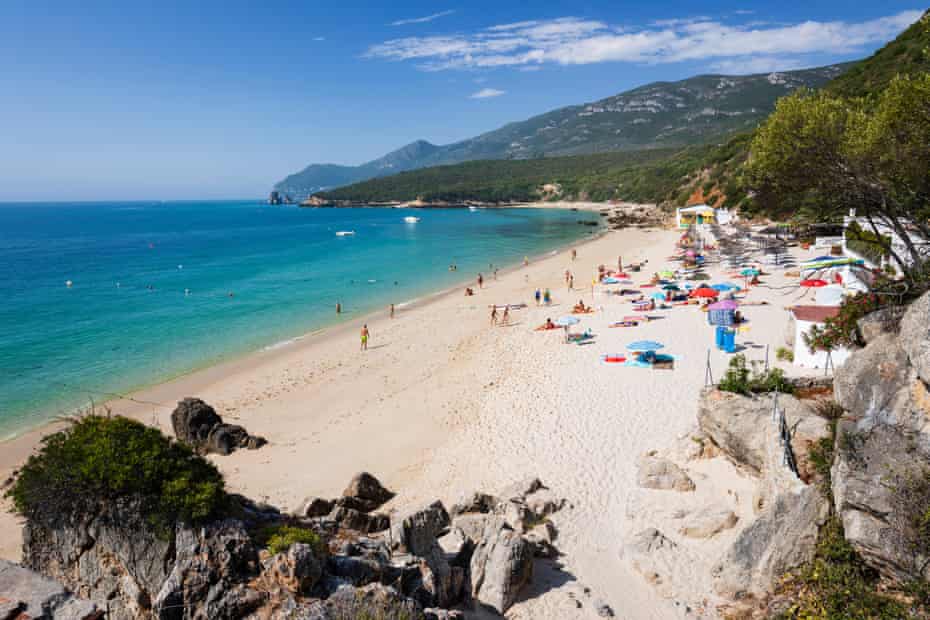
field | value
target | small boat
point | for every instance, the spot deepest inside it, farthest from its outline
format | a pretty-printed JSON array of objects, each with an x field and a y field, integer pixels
[
  {"x": 472, "y": 208},
  {"x": 411, "y": 219},
  {"x": 345, "y": 233}
]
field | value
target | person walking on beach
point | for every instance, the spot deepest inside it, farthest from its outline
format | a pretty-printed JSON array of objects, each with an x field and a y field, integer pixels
[
  {"x": 547, "y": 297},
  {"x": 574, "y": 254},
  {"x": 338, "y": 308},
  {"x": 480, "y": 281},
  {"x": 493, "y": 315},
  {"x": 392, "y": 311},
  {"x": 505, "y": 320},
  {"x": 364, "y": 337},
  {"x": 538, "y": 296},
  {"x": 495, "y": 273},
  {"x": 571, "y": 282},
  {"x": 526, "y": 261},
  {"x": 567, "y": 276}
]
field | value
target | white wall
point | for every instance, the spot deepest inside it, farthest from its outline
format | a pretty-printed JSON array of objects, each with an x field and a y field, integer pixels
[{"x": 818, "y": 359}]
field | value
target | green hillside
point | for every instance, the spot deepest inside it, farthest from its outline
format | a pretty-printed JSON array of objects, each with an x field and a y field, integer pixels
[
  {"x": 641, "y": 176},
  {"x": 908, "y": 54},
  {"x": 697, "y": 110}
]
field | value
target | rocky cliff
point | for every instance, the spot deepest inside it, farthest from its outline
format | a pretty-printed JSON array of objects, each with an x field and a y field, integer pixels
[{"x": 333, "y": 558}]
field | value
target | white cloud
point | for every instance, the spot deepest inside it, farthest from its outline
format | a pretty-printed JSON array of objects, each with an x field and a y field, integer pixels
[
  {"x": 757, "y": 64},
  {"x": 421, "y": 20},
  {"x": 574, "y": 41},
  {"x": 487, "y": 93}
]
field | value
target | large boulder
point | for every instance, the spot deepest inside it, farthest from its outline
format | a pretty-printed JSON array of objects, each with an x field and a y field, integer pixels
[
  {"x": 114, "y": 557},
  {"x": 208, "y": 577},
  {"x": 296, "y": 570},
  {"x": 368, "y": 490},
  {"x": 27, "y": 594},
  {"x": 783, "y": 537},
  {"x": 867, "y": 462},
  {"x": 915, "y": 335},
  {"x": 198, "y": 425},
  {"x": 192, "y": 420},
  {"x": 500, "y": 566},
  {"x": 417, "y": 531},
  {"x": 869, "y": 384},
  {"x": 659, "y": 473},
  {"x": 740, "y": 425}
]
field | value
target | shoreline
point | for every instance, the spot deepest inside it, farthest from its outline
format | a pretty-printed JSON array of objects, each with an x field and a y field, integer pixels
[
  {"x": 20, "y": 444},
  {"x": 50, "y": 419}
]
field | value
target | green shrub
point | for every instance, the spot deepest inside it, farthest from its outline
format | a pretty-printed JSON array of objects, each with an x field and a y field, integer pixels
[
  {"x": 279, "y": 538},
  {"x": 842, "y": 330},
  {"x": 784, "y": 354},
  {"x": 837, "y": 584},
  {"x": 97, "y": 460},
  {"x": 741, "y": 379}
]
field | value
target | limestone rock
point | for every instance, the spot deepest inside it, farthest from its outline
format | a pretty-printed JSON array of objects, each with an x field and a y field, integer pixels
[
  {"x": 653, "y": 554},
  {"x": 359, "y": 521},
  {"x": 366, "y": 487},
  {"x": 543, "y": 503},
  {"x": 915, "y": 335},
  {"x": 740, "y": 425},
  {"x": 658, "y": 473},
  {"x": 476, "y": 502},
  {"x": 869, "y": 384},
  {"x": 198, "y": 425},
  {"x": 783, "y": 537},
  {"x": 314, "y": 507},
  {"x": 521, "y": 488},
  {"x": 473, "y": 526},
  {"x": 371, "y": 601},
  {"x": 27, "y": 594},
  {"x": 884, "y": 321},
  {"x": 417, "y": 531},
  {"x": 863, "y": 495},
  {"x": 500, "y": 566},
  {"x": 709, "y": 522},
  {"x": 208, "y": 575},
  {"x": 541, "y": 538},
  {"x": 297, "y": 570}
]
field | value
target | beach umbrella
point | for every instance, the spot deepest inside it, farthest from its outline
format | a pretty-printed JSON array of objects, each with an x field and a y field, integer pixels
[
  {"x": 749, "y": 272},
  {"x": 565, "y": 321},
  {"x": 813, "y": 283},
  {"x": 726, "y": 304},
  {"x": 671, "y": 287},
  {"x": 704, "y": 292},
  {"x": 610, "y": 281},
  {"x": 658, "y": 296},
  {"x": 645, "y": 345},
  {"x": 667, "y": 274},
  {"x": 688, "y": 286}
]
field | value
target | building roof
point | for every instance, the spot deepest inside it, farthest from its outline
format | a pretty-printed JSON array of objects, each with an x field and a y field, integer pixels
[
  {"x": 815, "y": 314},
  {"x": 696, "y": 209}
]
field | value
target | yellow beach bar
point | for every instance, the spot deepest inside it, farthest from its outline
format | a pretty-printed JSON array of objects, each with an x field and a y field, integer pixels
[{"x": 695, "y": 214}]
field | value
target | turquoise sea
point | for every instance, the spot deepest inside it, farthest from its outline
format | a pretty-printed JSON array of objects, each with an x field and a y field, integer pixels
[{"x": 151, "y": 283}]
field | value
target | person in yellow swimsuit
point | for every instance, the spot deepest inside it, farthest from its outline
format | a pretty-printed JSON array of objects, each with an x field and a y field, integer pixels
[{"x": 364, "y": 337}]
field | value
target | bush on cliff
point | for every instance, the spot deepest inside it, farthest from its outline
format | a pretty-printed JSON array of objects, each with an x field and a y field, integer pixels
[
  {"x": 98, "y": 460},
  {"x": 279, "y": 538},
  {"x": 746, "y": 379}
]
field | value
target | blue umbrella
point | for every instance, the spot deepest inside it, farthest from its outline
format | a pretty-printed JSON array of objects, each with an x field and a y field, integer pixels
[
  {"x": 749, "y": 272},
  {"x": 723, "y": 287},
  {"x": 645, "y": 345},
  {"x": 565, "y": 321},
  {"x": 658, "y": 296},
  {"x": 610, "y": 281}
]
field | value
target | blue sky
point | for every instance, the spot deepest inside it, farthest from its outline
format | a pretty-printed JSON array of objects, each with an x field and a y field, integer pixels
[{"x": 174, "y": 100}]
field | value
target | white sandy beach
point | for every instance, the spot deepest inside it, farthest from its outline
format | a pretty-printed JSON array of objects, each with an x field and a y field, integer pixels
[{"x": 443, "y": 404}]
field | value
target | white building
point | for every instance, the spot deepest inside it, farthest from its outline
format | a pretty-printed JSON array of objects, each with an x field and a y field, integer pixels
[
  {"x": 803, "y": 318},
  {"x": 695, "y": 214}
]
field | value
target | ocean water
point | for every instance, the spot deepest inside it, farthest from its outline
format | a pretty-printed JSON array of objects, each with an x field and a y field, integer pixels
[{"x": 161, "y": 289}]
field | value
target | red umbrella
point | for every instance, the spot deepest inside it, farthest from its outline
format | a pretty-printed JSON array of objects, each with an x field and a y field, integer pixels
[
  {"x": 813, "y": 283},
  {"x": 709, "y": 293}
]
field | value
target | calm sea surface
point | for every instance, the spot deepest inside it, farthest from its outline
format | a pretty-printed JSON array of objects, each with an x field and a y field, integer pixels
[{"x": 151, "y": 283}]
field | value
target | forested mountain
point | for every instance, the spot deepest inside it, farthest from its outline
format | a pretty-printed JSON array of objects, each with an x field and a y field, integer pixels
[{"x": 658, "y": 115}]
